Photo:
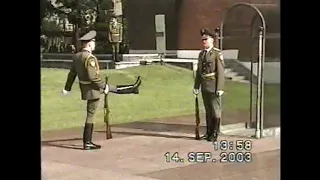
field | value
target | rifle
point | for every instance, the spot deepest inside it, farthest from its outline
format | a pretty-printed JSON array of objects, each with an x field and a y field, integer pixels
[
  {"x": 197, "y": 118},
  {"x": 106, "y": 115},
  {"x": 197, "y": 133}
]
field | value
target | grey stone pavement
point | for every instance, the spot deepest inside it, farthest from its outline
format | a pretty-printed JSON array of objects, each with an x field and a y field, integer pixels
[{"x": 142, "y": 157}]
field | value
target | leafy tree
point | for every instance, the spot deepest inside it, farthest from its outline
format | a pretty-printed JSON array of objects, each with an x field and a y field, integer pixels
[
  {"x": 79, "y": 11},
  {"x": 46, "y": 9},
  {"x": 50, "y": 26}
]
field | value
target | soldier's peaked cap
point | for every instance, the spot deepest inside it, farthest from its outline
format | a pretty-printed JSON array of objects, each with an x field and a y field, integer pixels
[
  {"x": 89, "y": 36},
  {"x": 205, "y": 33}
]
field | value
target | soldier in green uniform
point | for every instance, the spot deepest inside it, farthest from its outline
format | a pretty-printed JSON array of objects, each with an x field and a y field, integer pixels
[
  {"x": 115, "y": 37},
  {"x": 86, "y": 66},
  {"x": 210, "y": 75}
]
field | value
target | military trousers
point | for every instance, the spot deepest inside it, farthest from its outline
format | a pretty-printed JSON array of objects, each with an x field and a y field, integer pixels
[
  {"x": 92, "y": 105},
  {"x": 212, "y": 105},
  {"x": 115, "y": 51}
]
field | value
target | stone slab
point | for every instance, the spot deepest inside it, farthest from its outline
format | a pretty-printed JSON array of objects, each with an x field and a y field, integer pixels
[
  {"x": 62, "y": 171},
  {"x": 265, "y": 166},
  {"x": 139, "y": 154}
]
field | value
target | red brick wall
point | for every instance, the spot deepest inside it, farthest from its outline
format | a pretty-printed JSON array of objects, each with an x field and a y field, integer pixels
[
  {"x": 184, "y": 18},
  {"x": 141, "y": 23}
]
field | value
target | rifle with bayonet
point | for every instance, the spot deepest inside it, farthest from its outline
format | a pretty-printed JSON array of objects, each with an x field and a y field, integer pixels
[
  {"x": 197, "y": 118},
  {"x": 106, "y": 115},
  {"x": 197, "y": 114}
]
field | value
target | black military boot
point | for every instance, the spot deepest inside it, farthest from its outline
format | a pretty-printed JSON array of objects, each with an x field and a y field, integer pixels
[
  {"x": 137, "y": 83},
  {"x": 215, "y": 136},
  {"x": 212, "y": 137},
  {"x": 129, "y": 89},
  {"x": 209, "y": 137},
  {"x": 87, "y": 138},
  {"x": 205, "y": 136},
  {"x": 209, "y": 128},
  {"x": 218, "y": 125},
  {"x": 116, "y": 57},
  {"x": 216, "y": 131}
]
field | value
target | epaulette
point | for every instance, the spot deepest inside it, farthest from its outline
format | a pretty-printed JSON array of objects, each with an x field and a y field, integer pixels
[
  {"x": 91, "y": 56},
  {"x": 216, "y": 49}
]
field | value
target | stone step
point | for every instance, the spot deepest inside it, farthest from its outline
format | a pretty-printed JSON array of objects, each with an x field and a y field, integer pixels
[
  {"x": 129, "y": 58},
  {"x": 244, "y": 81},
  {"x": 227, "y": 70},
  {"x": 240, "y": 132},
  {"x": 251, "y": 132},
  {"x": 127, "y": 64},
  {"x": 232, "y": 127},
  {"x": 231, "y": 74},
  {"x": 237, "y": 78}
]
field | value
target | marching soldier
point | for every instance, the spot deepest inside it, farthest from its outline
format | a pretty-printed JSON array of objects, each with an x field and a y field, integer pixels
[
  {"x": 115, "y": 37},
  {"x": 86, "y": 66},
  {"x": 210, "y": 75}
]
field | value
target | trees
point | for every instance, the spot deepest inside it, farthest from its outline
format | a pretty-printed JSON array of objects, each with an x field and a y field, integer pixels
[
  {"x": 46, "y": 9},
  {"x": 83, "y": 14}
]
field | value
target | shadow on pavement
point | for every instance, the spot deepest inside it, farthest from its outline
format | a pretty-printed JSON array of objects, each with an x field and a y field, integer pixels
[
  {"x": 160, "y": 127},
  {"x": 59, "y": 143},
  {"x": 154, "y": 129},
  {"x": 146, "y": 128},
  {"x": 148, "y": 134}
]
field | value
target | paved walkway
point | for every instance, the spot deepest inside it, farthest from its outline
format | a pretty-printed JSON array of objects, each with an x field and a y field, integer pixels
[{"x": 142, "y": 158}]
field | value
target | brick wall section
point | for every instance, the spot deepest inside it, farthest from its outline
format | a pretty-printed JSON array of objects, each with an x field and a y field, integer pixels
[
  {"x": 195, "y": 15},
  {"x": 184, "y": 18},
  {"x": 141, "y": 23}
]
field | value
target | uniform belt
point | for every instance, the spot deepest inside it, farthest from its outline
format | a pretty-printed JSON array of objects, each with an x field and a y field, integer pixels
[
  {"x": 84, "y": 82},
  {"x": 208, "y": 75}
]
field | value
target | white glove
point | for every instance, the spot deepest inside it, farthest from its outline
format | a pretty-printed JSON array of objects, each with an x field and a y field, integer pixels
[
  {"x": 220, "y": 92},
  {"x": 65, "y": 92},
  {"x": 195, "y": 91},
  {"x": 106, "y": 89}
]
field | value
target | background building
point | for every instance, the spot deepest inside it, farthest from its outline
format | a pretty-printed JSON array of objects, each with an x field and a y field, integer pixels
[{"x": 184, "y": 18}]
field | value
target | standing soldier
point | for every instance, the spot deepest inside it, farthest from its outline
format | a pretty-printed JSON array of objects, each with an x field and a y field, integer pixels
[
  {"x": 86, "y": 66},
  {"x": 210, "y": 75},
  {"x": 73, "y": 49},
  {"x": 115, "y": 37}
]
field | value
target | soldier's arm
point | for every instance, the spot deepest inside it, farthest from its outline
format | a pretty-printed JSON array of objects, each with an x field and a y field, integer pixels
[
  {"x": 220, "y": 72},
  {"x": 121, "y": 31},
  {"x": 71, "y": 77},
  {"x": 94, "y": 77},
  {"x": 197, "y": 79},
  {"x": 110, "y": 32}
]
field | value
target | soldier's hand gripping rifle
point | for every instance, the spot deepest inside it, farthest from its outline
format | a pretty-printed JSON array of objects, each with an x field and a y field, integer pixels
[{"x": 106, "y": 115}]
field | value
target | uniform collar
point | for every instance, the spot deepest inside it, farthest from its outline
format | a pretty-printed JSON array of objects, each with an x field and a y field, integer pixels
[
  {"x": 86, "y": 49},
  {"x": 209, "y": 49}
]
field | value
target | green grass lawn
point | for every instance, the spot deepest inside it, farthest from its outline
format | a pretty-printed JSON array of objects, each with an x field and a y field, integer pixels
[{"x": 166, "y": 91}]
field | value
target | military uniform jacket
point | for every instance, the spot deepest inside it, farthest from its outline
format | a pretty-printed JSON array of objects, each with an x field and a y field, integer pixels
[
  {"x": 210, "y": 72},
  {"x": 115, "y": 32},
  {"x": 86, "y": 67}
]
